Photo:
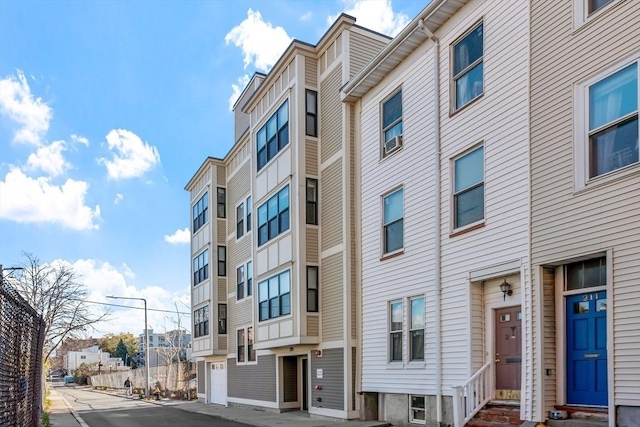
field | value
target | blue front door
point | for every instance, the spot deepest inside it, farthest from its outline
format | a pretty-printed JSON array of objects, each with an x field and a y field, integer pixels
[{"x": 587, "y": 349}]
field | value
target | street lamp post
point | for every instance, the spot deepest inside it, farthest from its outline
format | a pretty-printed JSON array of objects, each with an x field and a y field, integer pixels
[{"x": 146, "y": 341}]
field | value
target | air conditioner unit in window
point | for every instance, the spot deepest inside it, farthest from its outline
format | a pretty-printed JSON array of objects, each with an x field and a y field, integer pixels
[{"x": 393, "y": 144}]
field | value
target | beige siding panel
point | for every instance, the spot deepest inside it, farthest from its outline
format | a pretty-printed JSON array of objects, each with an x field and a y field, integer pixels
[
  {"x": 330, "y": 114},
  {"x": 331, "y": 297},
  {"x": 310, "y": 72},
  {"x": 331, "y": 205},
  {"x": 353, "y": 223},
  {"x": 549, "y": 337},
  {"x": 222, "y": 340},
  {"x": 361, "y": 51},
  {"x": 311, "y": 160},
  {"x": 312, "y": 245},
  {"x": 222, "y": 289},
  {"x": 221, "y": 176},
  {"x": 565, "y": 223},
  {"x": 221, "y": 226},
  {"x": 477, "y": 326},
  {"x": 313, "y": 326}
]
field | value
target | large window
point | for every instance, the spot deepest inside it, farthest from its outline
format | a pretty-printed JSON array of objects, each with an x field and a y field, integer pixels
[
  {"x": 222, "y": 202},
  {"x": 416, "y": 332},
  {"x": 201, "y": 212},
  {"x": 393, "y": 221},
  {"x": 273, "y": 216},
  {"x": 222, "y": 261},
  {"x": 249, "y": 278},
  {"x": 395, "y": 331},
  {"x": 275, "y": 296},
  {"x": 312, "y": 289},
  {"x": 273, "y": 136},
  {"x": 468, "y": 191},
  {"x": 391, "y": 123},
  {"x": 201, "y": 322},
  {"x": 201, "y": 267},
  {"x": 240, "y": 220},
  {"x": 468, "y": 54},
  {"x": 241, "y": 346},
  {"x": 222, "y": 319},
  {"x": 240, "y": 283},
  {"x": 613, "y": 121},
  {"x": 244, "y": 346},
  {"x": 311, "y": 105},
  {"x": 312, "y": 201}
]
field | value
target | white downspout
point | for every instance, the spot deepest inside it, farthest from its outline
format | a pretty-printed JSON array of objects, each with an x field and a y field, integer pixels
[{"x": 437, "y": 220}]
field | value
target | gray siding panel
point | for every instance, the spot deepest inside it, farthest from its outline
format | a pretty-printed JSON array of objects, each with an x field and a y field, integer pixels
[
  {"x": 290, "y": 378},
  {"x": 201, "y": 377},
  {"x": 332, "y": 382},
  {"x": 254, "y": 382}
]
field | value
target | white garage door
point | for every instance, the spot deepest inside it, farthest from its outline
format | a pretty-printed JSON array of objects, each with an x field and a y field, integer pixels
[{"x": 219, "y": 383}]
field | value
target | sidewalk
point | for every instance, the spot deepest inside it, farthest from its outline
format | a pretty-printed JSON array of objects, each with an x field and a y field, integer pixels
[{"x": 63, "y": 416}]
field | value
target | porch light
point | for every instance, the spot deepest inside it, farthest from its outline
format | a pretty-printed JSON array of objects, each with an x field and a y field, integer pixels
[{"x": 505, "y": 287}]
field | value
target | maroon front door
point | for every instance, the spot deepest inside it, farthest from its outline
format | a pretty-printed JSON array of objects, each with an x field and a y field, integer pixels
[{"x": 508, "y": 352}]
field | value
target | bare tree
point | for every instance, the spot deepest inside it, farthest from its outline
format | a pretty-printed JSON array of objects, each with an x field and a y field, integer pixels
[
  {"x": 57, "y": 294},
  {"x": 175, "y": 349}
]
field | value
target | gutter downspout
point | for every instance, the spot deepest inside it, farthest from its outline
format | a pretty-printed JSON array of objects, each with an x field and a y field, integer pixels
[{"x": 437, "y": 220}]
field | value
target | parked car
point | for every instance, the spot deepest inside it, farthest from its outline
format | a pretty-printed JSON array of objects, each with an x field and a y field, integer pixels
[{"x": 68, "y": 379}]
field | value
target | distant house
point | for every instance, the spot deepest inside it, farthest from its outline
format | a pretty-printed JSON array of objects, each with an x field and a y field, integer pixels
[{"x": 164, "y": 346}]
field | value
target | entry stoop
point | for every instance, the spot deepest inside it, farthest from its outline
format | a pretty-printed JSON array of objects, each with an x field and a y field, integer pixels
[
  {"x": 581, "y": 417},
  {"x": 497, "y": 414}
]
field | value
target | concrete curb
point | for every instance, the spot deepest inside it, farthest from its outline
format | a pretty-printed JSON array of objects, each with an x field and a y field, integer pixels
[{"x": 74, "y": 413}]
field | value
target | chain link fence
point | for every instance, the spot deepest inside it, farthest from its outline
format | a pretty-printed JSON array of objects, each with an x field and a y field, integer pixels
[{"x": 21, "y": 341}]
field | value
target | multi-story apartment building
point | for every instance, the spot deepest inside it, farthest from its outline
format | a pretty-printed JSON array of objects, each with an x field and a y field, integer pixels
[
  {"x": 275, "y": 264},
  {"x": 585, "y": 200},
  {"x": 177, "y": 340},
  {"x": 442, "y": 130}
]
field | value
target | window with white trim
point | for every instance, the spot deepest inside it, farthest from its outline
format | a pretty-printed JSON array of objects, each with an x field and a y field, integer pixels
[
  {"x": 222, "y": 319},
  {"x": 311, "y": 106},
  {"x": 240, "y": 283},
  {"x": 273, "y": 216},
  {"x": 611, "y": 137},
  {"x": 468, "y": 188},
  {"x": 275, "y": 296},
  {"x": 312, "y": 288},
  {"x": 395, "y": 331},
  {"x": 587, "y": 10},
  {"x": 240, "y": 354},
  {"x": 221, "y": 202},
  {"x": 240, "y": 220},
  {"x": 222, "y": 261},
  {"x": 417, "y": 409},
  {"x": 273, "y": 136},
  {"x": 468, "y": 63},
  {"x": 201, "y": 322},
  {"x": 201, "y": 267},
  {"x": 201, "y": 212},
  {"x": 391, "y": 123},
  {"x": 416, "y": 329},
  {"x": 393, "y": 221},
  {"x": 245, "y": 353}
]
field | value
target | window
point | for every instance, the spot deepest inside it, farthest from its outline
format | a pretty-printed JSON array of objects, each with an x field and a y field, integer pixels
[
  {"x": 393, "y": 221},
  {"x": 249, "y": 278},
  {"x": 312, "y": 289},
  {"x": 391, "y": 122},
  {"x": 417, "y": 411},
  {"x": 240, "y": 283},
  {"x": 222, "y": 319},
  {"x": 312, "y": 112},
  {"x": 201, "y": 322},
  {"x": 273, "y": 216},
  {"x": 468, "y": 192},
  {"x": 200, "y": 212},
  {"x": 240, "y": 353},
  {"x": 251, "y": 353},
  {"x": 222, "y": 202},
  {"x": 613, "y": 122},
  {"x": 395, "y": 331},
  {"x": 586, "y": 274},
  {"x": 273, "y": 136},
  {"x": 312, "y": 201},
  {"x": 416, "y": 332},
  {"x": 468, "y": 67},
  {"x": 201, "y": 267},
  {"x": 249, "y": 207},
  {"x": 222, "y": 261},
  {"x": 594, "y": 5},
  {"x": 240, "y": 221},
  {"x": 275, "y": 298}
]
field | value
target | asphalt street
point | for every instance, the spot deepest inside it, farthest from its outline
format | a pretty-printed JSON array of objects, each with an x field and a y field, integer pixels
[{"x": 103, "y": 410}]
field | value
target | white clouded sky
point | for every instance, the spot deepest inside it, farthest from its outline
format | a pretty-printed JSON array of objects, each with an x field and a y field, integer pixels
[{"x": 84, "y": 111}]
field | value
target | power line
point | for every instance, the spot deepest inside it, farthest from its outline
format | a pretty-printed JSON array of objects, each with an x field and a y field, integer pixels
[{"x": 134, "y": 308}]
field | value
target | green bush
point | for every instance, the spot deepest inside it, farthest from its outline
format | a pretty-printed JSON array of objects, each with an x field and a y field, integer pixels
[{"x": 46, "y": 422}]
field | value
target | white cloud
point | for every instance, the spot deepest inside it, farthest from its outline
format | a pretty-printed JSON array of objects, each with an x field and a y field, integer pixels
[
  {"x": 261, "y": 42},
  {"x": 49, "y": 159},
  {"x": 80, "y": 139},
  {"x": 29, "y": 200},
  {"x": 306, "y": 17},
  {"x": 131, "y": 156},
  {"x": 127, "y": 271},
  {"x": 237, "y": 89},
  {"x": 376, "y": 15},
  {"x": 17, "y": 103},
  {"x": 180, "y": 236},
  {"x": 118, "y": 198}
]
